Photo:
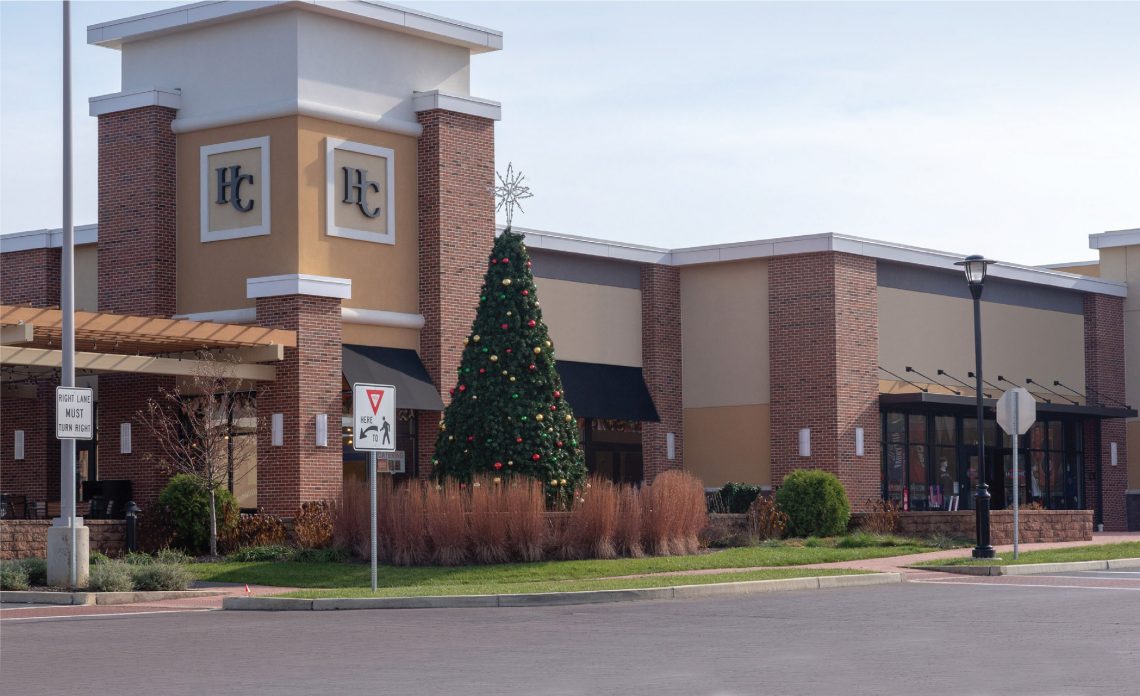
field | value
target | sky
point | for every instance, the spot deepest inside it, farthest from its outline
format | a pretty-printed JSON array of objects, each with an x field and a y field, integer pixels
[{"x": 1009, "y": 130}]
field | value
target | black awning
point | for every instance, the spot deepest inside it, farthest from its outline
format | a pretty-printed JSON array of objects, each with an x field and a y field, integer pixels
[
  {"x": 951, "y": 401},
  {"x": 606, "y": 391},
  {"x": 399, "y": 367}
]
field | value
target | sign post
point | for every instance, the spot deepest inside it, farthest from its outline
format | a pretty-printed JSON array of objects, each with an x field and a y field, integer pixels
[
  {"x": 1016, "y": 412},
  {"x": 373, "y": 430}
]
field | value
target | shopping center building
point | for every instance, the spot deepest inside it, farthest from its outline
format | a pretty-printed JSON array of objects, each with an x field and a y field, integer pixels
[{"x": 309, "y": 187}]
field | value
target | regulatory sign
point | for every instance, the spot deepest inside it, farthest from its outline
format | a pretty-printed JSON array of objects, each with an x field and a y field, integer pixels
[
  {"x": 373, "y": 418},
  {"x": 1026, "y": 411},
  {"x": 74, "y": 413}
]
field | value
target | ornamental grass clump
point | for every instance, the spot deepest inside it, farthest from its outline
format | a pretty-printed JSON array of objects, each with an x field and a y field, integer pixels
[
  {"x": 313, "y": 527},
  {"x": 766, "y": 520},
  {"x": 526, "y": 519},
  {"x": 627, "y": 531},
  {"x": 674, "y": 513},
  {"x": 590, "y": 529},
  {"x": 350, "y": 518},
  {"x": 489, "y": 529},
  {"x": 406, "y": 542},
  {"x": 446, "y": 519}
]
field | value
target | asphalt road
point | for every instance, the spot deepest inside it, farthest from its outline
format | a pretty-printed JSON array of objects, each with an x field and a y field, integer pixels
[{"x": 915, "y": 638}]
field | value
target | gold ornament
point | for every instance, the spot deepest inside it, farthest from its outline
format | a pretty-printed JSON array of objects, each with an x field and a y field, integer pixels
[
  {"x": 562, "y": 482},
  {"x": 510, "y": 462},
  {"x": 568, "y": 418},
  {"x": 506, "y": 281},
  {"x": 537, "y": 350},
  {"x": 496, "y": 479},
  {"x": 512, "y": 378},
  {"x": 494, "y": 358},
  {"x": 475, "y": 338},
  {"x": 450, "y": 437},
  {"x": 539, "y": 417},
  {"x": 548, "y": 344},
  {"x": 508, "y": 314},
  {"x": 466, "y": 341},
  {"x": 504, "y": 373}
]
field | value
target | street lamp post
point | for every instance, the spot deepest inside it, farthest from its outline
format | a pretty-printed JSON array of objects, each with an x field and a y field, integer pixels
[{"x": 975, "y": 268}]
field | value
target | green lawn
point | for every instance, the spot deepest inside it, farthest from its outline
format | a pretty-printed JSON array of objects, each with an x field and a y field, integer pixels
[
  {"x": 432, "y": 589},
  {"x": 342, "y": 575},
  {"x": 1100, "y": 552}
]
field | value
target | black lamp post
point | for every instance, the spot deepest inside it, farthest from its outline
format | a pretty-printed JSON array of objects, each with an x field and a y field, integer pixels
[{"x": 975, "y": 267}]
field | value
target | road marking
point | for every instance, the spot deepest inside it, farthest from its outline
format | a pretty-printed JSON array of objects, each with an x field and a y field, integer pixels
[
  {"x": 103, "y": 615},
  {"x": 1021, "y": 584}
]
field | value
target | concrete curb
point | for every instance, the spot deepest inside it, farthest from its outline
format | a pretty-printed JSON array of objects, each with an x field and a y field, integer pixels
[
  {"x": 552, "y": 599},
  {"x": 1034, "y": 568},
  {"x": 100, "y": 598}
]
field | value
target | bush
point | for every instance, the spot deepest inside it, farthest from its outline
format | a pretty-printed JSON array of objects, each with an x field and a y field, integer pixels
[
  {"x": 589, "y": 530},
  {"x": 627, "y": 533},
  {"x": 488, "y": 521},
  {"x": 765, "y": 519},
  {"x": 329, "y": 555},
  {"x": 526, "y": 519},
  {"x": 13, "y": 576},
  {"x": 189, "y": 506},
  {"x": 135, "y": 558},
  {"x": 350, "y": 517},
  {"x": 882, "y": 519},
  {"x": 313, "y": 526},
  {"x": 255, "y": 530},
  {"x": 156, "y": 529},
  {"x": 172, "y": 556},
  {"x": 404, "y": 534},
  {"x": 447, "y": 523},
  {"x": 815, "y": 503},
  {"x": 98, "y": 558},
  {"x": 263, "y": 554},
  {"x": 112, "y": 576},
  {"x": 674, "y": 513},
  {"x": 737, "y": 497},
  {"x": 160, "y": 576},
  {"x": 36, "y": 568}
]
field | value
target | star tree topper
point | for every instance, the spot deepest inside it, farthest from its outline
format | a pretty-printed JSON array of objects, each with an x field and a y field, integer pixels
[{"x": 511, "y": 191}]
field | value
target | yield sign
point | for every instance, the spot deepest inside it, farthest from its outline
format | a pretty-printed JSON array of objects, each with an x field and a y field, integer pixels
[{"x": 374, "y": 418}]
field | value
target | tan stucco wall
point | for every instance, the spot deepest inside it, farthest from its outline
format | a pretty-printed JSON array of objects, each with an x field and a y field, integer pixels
[
  {"x": 384, "y": 276},
  {"x": 929, "y": 332},
  {"x": 724, "y": 335},
  {"x": 87, "y": 278},
  {"x": 212, "y": 276},
  {"x": 1087, "y": 269},
  {"x": 592, "y": 323},
  {"x": 364, "y": 335},
  {"x": 729, "y": 443}
]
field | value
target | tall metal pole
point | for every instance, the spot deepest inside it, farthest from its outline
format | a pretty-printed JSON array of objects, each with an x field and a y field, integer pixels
[
  {"x": 67, "y": 300},
  {"x": 372, "y": 494},
  {"x": 1016, "y": 482},
  {"x": 982, "y": 495}
]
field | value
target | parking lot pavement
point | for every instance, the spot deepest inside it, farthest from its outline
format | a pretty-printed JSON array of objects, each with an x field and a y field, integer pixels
[{"x": 1124, "y": 580}]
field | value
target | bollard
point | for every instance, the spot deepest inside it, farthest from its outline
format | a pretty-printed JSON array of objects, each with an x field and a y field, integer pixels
[{"x": 132, "y": 527}]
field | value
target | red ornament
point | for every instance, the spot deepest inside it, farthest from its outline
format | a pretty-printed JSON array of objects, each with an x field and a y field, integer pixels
[
  {"x": 553, "y": 407},
  {"x": 481, "y": 370},
  {"x": 530, "y": 323},
  {"x": 528, "y": 264},
  {"x": 526, "y": 292},
  {"x": 506, "y": 260},
  {"x": 453, "y": 392},
  {"x": 471, "y": 438},
  {"x": 498, "y": 465},
  {"x": 518, "y": 439},
  {"x": 532, "y": 368},
  {"x": 508, "y": 350},
  {"x": 535, "y": 457},
  {"x": 559, "y": 443},
  {"x": 462, "y": 387},
  {"x": 503, "y": 327},
  {"x": 494, "y": 260},
  {"x": 557, "y": 395}
]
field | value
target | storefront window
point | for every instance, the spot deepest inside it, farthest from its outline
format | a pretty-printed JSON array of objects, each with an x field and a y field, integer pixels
[
  {"x": 917, "y": 460},
  {"x": 894, "y": 456}
]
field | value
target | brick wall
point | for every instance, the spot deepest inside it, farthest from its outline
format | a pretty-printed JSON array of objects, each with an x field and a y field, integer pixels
[
  {"x": 1104, "y": 384},
  {"x": 137, "y": 180},
  {"x": 823, "y": 357},
  {"x": 28, "y": 538},
  {"x": 661, "y": 367},
  {"x": 121, "y": 398},
  {"x": 1034, "y": 526},
  {"x": 456, "y": 160},
  {"x": 30, "y": 277},
  {"x": 308, "y": 382},
  {"x": 37, "y": 474}
]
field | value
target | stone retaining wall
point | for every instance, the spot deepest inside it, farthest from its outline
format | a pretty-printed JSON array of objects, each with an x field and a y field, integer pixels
[
  {"x": 1035, "y": 525},
  {"x": 28, "y": 538}
]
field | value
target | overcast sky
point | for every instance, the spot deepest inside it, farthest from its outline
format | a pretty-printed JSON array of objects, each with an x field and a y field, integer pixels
[{"x": 1011, "y": 130}]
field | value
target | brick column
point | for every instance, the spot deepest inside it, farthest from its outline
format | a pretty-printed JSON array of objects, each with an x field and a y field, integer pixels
[
  {"x": 137, "y": 181},
  {"x": 661, "y": 367},
  {"x": 308, "y": 382},
  {"x": 456, "y": 158},
  {"x": 30, "y": 277},
  {"x": 1104, "y": 384},
  {"x": 823, "y": 355}
]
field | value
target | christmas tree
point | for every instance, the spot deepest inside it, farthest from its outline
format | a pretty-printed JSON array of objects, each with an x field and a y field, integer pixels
[{"x": 508, "y": 414}]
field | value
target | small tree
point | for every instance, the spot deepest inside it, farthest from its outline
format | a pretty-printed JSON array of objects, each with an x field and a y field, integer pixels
[
  {"x": 508, "y": 414},
  {"x": 191, "y": 424}
]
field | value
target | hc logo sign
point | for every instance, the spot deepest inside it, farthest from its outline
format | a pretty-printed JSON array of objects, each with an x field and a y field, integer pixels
[
  {"x": 356, "y": 189},
  {"x": 229, "y": 181}
]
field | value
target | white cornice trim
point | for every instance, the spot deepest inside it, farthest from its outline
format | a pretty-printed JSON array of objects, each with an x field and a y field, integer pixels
[
  {"x": 587, "y": 246},
  {"x": 47, "y": 239},
  {"x": 1071, "y": 264},
  {"x": 297, "y": 107},
  {"x": 1117, "y": 238},
  {"x": 477, "y": 39},
  {"x": 298, "y": 284},
  {"x": 122, "y": 101},
  {"x": 349, "y": 315},
  {"x": 463, "y": 104},
  {"x": 379, "y": 317}
]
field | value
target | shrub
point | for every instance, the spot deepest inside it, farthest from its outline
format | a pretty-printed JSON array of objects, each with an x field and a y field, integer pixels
[
  {"x": 263, "y": 554},
  {"x": 488, "y": 521},
  {"x": 172, "y": 556},
  {"x": 98, "y": 557},
  {"x": 627, "y": 531},
  {"x": 36, "y": 568},
  {"x": 765, "y": 519},
  {"x": 737, "y": 497},
  {"x": 160, "y": 576},
  {"x": 189, "y": 506},
  {"x": 350, "y": 517},
  {"x": 405, "y": 537},
  {"x": 113, "y": 576},
  {"x": 329, "y": 555},
  {"x": 815, "y": 503},
  {"x": 255, "y": 530},
  {"x": 313, "y": 527},
  {"x": 883, "y": 517},
  {"x": 526, "y": 518},
  {"x": 13, "y": 576},
  {"x": 673, "y": 514},
  {"x": 136, "y": 558},
  {"x": 446, "y": 523},
  {"x": 156, "y": 529},
  {"x": 589, "y": 531}
]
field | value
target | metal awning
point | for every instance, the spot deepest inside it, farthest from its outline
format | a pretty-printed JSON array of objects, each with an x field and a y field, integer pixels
[
  {"x": 951, "y": 401},
  {"x": 595, "y": 390},
  {"x": 400, "y": 367}
]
